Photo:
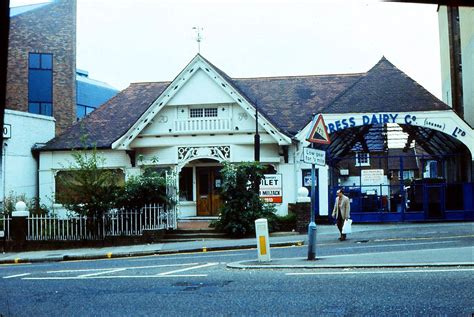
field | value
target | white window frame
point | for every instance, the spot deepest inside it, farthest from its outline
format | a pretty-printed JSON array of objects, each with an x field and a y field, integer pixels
[
  {"x": 365, "y": 163},
  {"x": 204, "y": 112},
  {"x": 410, "y": 172}
]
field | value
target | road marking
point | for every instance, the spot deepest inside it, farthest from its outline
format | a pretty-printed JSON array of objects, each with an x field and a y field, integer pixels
[
  {"x": 100, "y": 273},
  {"x": 170, "y": 257},
  {"x": 113, "y": 277},
  {"x": 380, "y": 272},
  {"x": 126, "y": 268},
  {"x": 189, "y": 268},
  {"x": 17, "y": 275}
]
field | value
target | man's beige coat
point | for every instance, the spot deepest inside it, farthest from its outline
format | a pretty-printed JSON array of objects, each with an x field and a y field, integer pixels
[{"x": 345, "y": 208}]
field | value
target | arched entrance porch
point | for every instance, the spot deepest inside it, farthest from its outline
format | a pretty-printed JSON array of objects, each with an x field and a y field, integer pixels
[
  {"x": 199, "y": 181},
  {"x": 428, "y": 177}
]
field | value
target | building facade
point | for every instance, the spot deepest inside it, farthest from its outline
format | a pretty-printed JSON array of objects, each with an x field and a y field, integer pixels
[
  {"x": 191, "y": 125},
  {"x": 41, "y": 76},
  {"x": 41, "y": 92}
]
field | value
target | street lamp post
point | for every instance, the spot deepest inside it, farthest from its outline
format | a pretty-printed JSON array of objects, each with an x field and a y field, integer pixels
[{"x": 312, "y": 223}]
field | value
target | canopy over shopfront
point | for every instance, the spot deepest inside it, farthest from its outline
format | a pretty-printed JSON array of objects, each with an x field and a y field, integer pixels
[{"x": 364, "y": 118}]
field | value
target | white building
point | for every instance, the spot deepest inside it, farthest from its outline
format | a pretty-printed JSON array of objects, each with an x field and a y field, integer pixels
[
  {"x": 204, "y": 117},
  {"x": 19, "y": 167}
]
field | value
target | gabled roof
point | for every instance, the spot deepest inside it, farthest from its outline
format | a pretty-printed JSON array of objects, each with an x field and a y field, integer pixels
[
  {"x": 287, "y": 102},
  {"x": 111, "y": 120},
  {"x": 385, "y": 88}
]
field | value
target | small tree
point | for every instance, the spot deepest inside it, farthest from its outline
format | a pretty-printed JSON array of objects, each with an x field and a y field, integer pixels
[
  {"x": 87, "y": 188},
  {"x": 242, "y": 203},
  {"x": 147, "y": 188}
]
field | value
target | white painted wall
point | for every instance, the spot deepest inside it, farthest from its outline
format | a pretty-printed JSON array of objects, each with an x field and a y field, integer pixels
[
  {"x": 444, "y": 51},
  {"x": 466, "y": 17},
  {"x": 200, "y": 89},
  {"x": 52, "y": 162},
  {"x": 18, "y": 166}
]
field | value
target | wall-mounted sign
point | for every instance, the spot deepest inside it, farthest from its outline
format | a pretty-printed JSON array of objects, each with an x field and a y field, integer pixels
[
  {"x": 271, "y": 188},
  {"x": 7, "y": 131},
  {"x": 313, "y": 156},
  {"x": 372, "y": 177}
]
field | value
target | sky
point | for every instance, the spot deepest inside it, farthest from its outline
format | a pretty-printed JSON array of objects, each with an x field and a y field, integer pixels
[{"x": 124, "y": 41}]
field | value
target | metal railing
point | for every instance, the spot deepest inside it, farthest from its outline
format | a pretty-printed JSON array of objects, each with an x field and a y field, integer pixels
[{"x": 114, "y": 223}]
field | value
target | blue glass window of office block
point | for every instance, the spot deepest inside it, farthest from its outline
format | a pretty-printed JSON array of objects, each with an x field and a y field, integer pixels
[
  {"x": 34, "y": 107},
  {"x": 80, "y": 112},
  {"x": 40, "y": 85},
  {"x": 89, "y": 109},
  {"x": 46, "y": 61},
  {"x": 34, "y": 61},
  {"x": 46, "y": 109}
]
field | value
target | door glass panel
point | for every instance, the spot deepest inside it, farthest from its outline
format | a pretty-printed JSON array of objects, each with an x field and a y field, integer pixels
[
  {"x": 186, "y": 184},
  {"x": 203, "y": 184}
]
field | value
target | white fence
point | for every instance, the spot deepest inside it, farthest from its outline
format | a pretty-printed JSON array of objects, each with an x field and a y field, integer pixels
[
  {"x": 115, "y": 223},
  {"x": 5, "y": 227}
]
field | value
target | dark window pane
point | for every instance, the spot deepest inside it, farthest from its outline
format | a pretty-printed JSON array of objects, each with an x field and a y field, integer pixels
[
  {"x": 40, "y": 85},
  {"x": 47, "y": 109},
  {"x": 34, "y": 107},
  {"x": 46, "y": 61},
  {"x": 203, "y": 180},
  {"x": 186, "y": 184},
  {"x": 34, "y": 60}
]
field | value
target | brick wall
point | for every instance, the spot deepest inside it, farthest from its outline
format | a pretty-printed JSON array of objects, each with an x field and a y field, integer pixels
[{"x": 49, "y": 29}]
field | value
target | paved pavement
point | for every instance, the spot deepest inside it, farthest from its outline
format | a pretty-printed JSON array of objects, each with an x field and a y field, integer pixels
[{"x": 459, "y": 256}]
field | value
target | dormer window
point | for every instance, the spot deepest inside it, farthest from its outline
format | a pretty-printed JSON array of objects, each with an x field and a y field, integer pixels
[{"x": 202, "y": 112}]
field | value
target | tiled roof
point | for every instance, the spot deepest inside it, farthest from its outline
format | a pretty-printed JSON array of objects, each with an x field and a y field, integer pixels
[
  {"x": 374, "y": 139},
  {"x": 288, "y": 102},
  {"x": 409, "y": 159},
  {"x": 111, "y": 120},
  {"x": 385, "y": 88}
]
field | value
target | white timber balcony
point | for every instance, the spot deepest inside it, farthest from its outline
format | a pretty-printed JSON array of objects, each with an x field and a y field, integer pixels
[{"x": 202, "y": 125}]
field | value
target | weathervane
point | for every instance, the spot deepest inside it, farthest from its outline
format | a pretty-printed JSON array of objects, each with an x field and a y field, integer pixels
[{"x": 198, "y": 36}]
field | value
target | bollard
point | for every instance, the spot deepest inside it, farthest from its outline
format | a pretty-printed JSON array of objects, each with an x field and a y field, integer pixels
[
  {"x": 263, "y": 242},
  {"x": 312, "y": 241}
]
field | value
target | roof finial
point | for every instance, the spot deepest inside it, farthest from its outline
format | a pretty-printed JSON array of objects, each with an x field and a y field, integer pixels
[{"x": 198, "y": 37}]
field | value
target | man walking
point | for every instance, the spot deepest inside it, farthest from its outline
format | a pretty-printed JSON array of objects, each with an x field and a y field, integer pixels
[{"x": 341, "y": 211}]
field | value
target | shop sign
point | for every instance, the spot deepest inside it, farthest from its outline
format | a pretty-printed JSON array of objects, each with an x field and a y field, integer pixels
[
  {"x": 314, "y": 156},
  {"x": 372, "y": 177},
  {"x": 271, "y": 188}
]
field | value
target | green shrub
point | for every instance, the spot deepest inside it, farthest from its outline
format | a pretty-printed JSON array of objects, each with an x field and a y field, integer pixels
[
  {"x": 242, "y": 204},
  {"x": 285, "y": 223},
  {"x": 148, "y": 188}
]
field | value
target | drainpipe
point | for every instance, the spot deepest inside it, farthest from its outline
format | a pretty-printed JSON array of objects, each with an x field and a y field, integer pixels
[{"x": 36, "y": 155}]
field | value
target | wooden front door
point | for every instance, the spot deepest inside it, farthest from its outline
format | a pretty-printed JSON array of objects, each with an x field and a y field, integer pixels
[{"x": 209, "y": 182}]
